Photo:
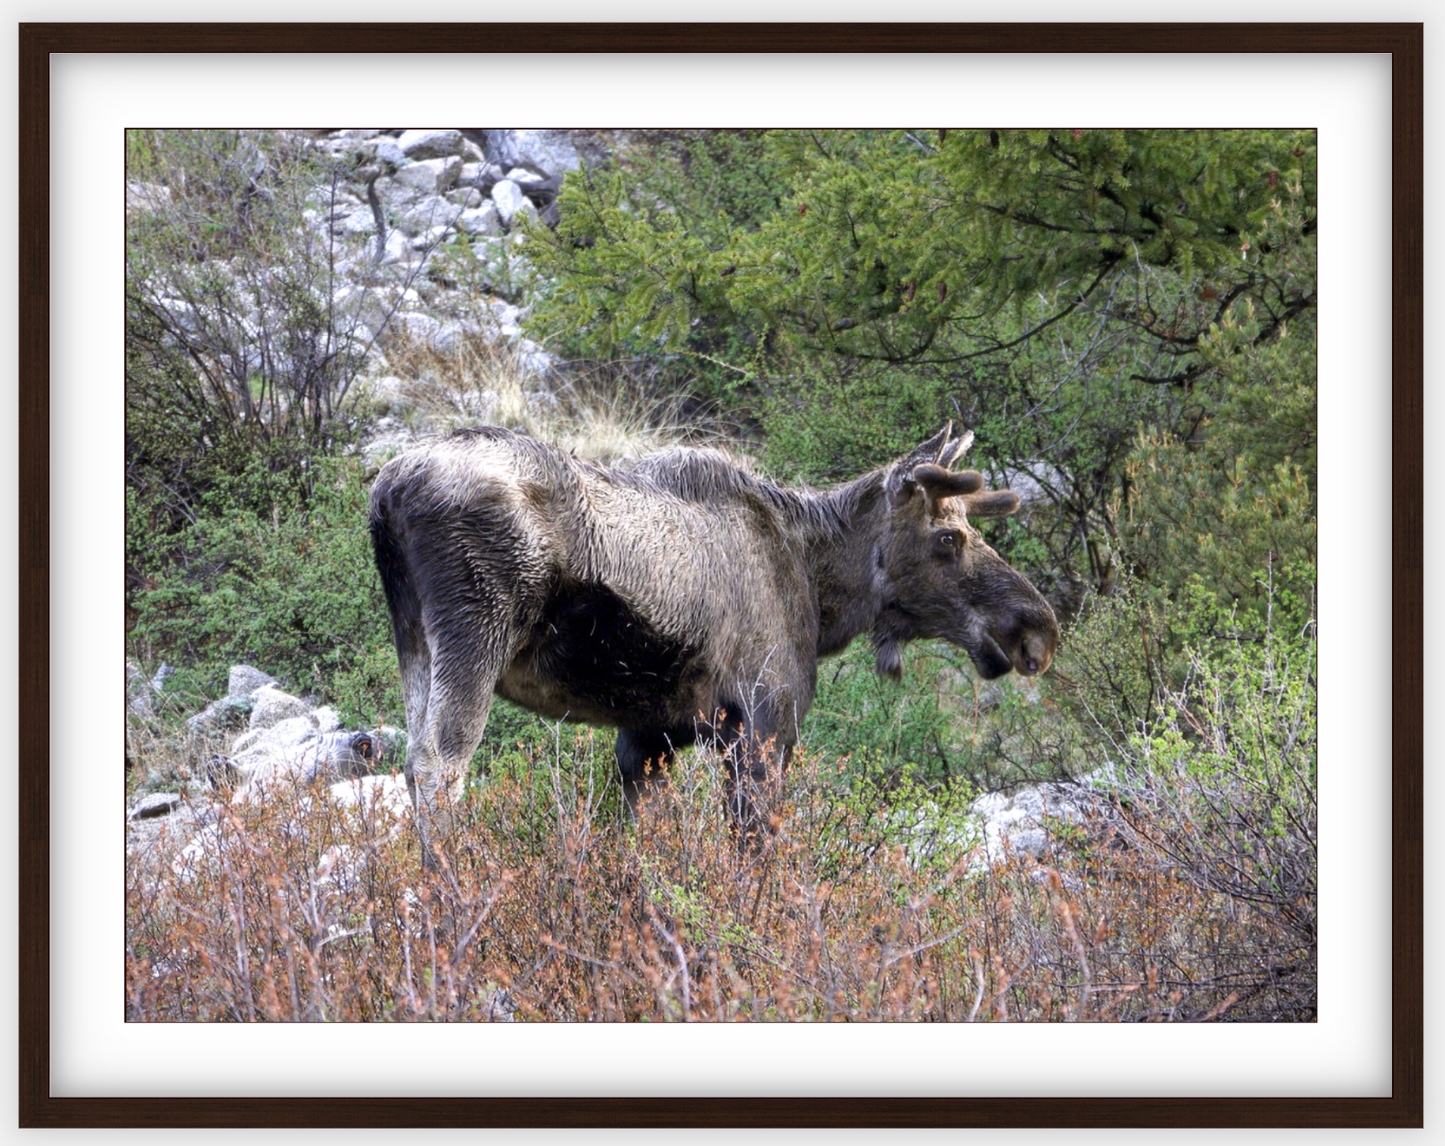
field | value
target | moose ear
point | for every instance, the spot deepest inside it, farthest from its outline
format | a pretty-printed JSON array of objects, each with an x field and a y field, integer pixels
[
  {"x": 955, "y": 449},
  {"x": 930, "y": 450},
  {"x": 991, "y": 503}
]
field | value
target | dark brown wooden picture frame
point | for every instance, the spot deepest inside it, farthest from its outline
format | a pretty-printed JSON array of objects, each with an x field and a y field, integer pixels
[{"x": 1404, "y": 1107}]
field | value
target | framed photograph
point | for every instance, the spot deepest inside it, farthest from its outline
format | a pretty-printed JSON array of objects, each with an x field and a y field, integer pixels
[{"x": 1358, "y": 86}]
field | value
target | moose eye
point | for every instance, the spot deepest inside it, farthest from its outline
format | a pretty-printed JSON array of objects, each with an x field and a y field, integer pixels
[{"x": 947, "y": 543}]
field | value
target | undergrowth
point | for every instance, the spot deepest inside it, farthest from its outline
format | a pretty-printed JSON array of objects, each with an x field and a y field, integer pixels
[{"x": 555, "y": 908}]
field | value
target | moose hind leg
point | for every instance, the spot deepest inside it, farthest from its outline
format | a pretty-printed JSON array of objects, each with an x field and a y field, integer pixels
[
  {"x": 643, "y": 758},
  {"x": 439, "y": 753}
]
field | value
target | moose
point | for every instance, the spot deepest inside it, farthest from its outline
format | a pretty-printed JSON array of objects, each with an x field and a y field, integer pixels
[{"x": 677, "y": 598}]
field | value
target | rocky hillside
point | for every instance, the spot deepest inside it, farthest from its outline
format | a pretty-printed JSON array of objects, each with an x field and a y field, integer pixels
[{"x": 409, "y": 240}]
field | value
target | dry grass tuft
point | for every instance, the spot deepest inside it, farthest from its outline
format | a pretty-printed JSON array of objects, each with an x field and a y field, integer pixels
[{"x": 596, "y": 413}]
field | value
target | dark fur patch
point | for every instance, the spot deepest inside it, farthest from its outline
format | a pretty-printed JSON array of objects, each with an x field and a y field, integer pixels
[
  {"x": 591, "y": 644},
  {"x": 645, "y": 752}
]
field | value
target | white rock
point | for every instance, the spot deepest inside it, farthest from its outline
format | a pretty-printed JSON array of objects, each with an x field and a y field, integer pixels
[
  {"x": 417, "y": 327},
  {"x": 550, "y": 150},
  {"x": 511, "y": 202},
  {"x": 483, "y": 220},
  {"x": 432, "y": 211},
  {"x": 431, "y": 143},
  {"x": 358, "y": 221},
  {"x": 388, "y": 152},
  {"x": 388, "y": 793},
  {"x": 143, "y": 198},
  {"x": 477, "y": 174},
  {"x": 272, "y": 706},
  {"x": 398, "y": 248},
  {"x": 430, "y": 176},
  {"x": 325, "y": 719},
  {"x": 534, "y": 360},
  {"x": 243, "y": 681}
]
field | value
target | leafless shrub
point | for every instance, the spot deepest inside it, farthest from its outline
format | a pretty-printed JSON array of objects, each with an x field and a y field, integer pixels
[{"x": 556, "y": 908}]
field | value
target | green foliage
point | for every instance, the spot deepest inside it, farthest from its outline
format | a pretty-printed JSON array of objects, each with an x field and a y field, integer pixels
[
  {"x": 1231, "y": 761},
  {"x": 879, "y": 726},
  {"x": 1233, "y": 508},
  {"x": 480, "y": 266},
  {"x": 1054, "y": 291},
  {"x": 864, "y": 813},
  {"x": 940, "y": 729},
  {"x": 559, "y": 770},
  {"x": 887, "y": 242},
  {"x": 831, "y": 423},
  {"x": 716, "y": 182},
  {"x": 290, "y": 587}
]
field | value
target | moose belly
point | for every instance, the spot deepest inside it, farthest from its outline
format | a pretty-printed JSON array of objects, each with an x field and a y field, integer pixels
[{"x": 592, "y": 658}]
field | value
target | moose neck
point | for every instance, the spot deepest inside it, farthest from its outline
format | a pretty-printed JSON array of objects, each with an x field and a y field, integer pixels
[{"x": 841, "y": 529}]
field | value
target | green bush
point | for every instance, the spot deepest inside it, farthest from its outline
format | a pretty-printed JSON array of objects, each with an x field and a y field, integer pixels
[
  {"x": 1226, "y": 780},
  {"x": 242, "y": 345},
  {"x": 1055, "y": 291},
  {"x": 290, "y": 588},
  {"x": 881, "y": 727}
]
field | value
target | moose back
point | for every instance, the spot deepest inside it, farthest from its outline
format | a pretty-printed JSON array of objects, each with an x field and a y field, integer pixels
[{"x": 676, "y": 598}]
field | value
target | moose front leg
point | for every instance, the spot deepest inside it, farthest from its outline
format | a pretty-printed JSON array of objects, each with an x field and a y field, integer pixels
[
  {"x": 643, "y": 758},
  {"x": 755, "y": 757}
]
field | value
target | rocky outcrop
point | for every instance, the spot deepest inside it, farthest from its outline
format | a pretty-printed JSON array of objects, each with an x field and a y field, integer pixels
[
  {"x": 288, "y": 743},
  {"x": 278, "y": 741},
  {"x": 282, "y": 747},
  {"x": 413, "y": 235},
  {"x": 1034, "y": 818}
]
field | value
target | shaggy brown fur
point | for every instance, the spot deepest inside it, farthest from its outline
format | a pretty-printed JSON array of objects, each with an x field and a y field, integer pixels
[{"x": 675, "y": 598}]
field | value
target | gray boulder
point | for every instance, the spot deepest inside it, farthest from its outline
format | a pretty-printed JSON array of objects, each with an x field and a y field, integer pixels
[
  {"x": 1028, "y": 821},
  {"x": 552, "y": 151},
  {"x": 429, "y": 177},
  {"x": 357, "y": 221},
  {"x": 137, "y": 692},
  {"x": 467, "y": 198},
  {"x": 271, "y": 706},
  {"x": 290, "y": 732},
  {"x": 398, "y": 249},
  {"x": 387, "y": 151},
  {"x": 426, "y": 213},
  {"x": 483, "y": 220},
  {"x": 223, "y": 715},
  {"x": 243, "y": 681},
  {"x": 272, "y": 767}
]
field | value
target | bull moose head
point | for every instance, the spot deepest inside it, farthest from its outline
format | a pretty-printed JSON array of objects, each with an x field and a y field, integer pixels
[{"x": 938, "y": 578}]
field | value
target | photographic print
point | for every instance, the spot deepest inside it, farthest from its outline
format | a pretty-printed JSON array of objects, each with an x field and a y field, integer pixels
[
  {"x": 716, "y": 575},
  {"x": 719, "y": 575}
]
